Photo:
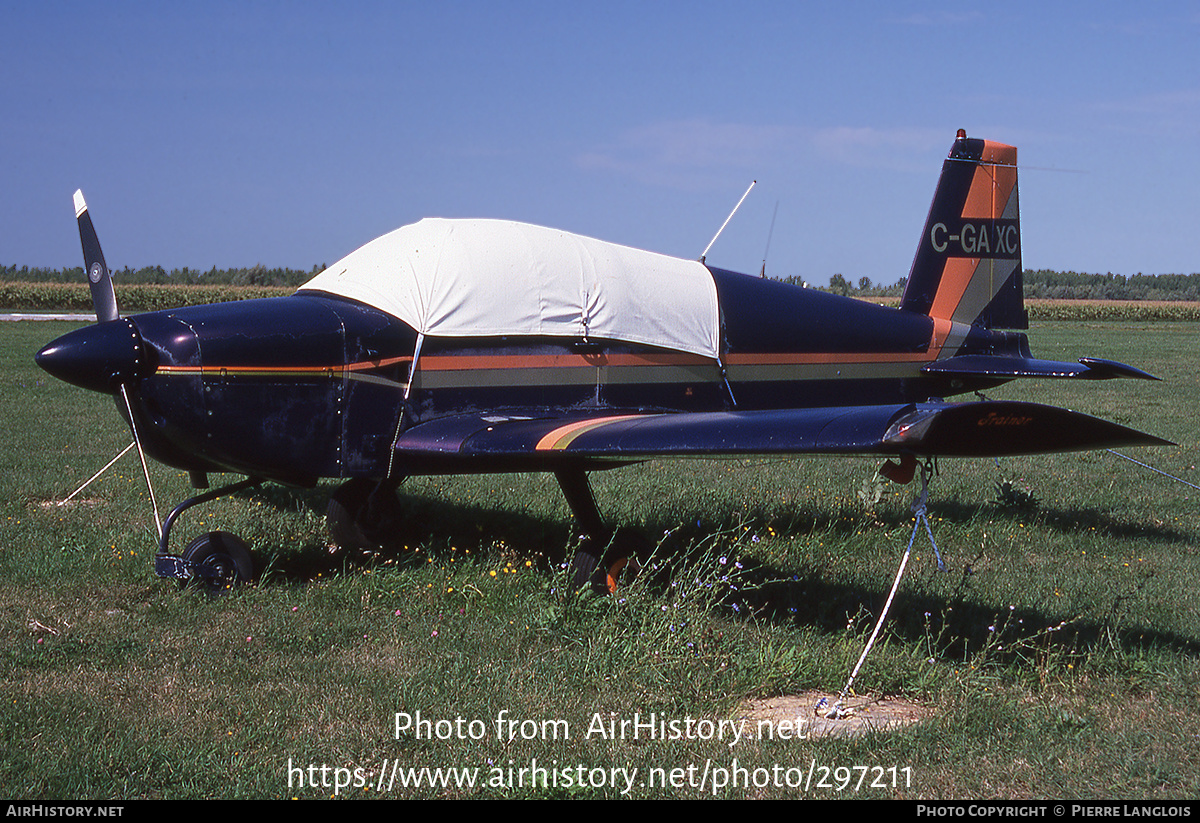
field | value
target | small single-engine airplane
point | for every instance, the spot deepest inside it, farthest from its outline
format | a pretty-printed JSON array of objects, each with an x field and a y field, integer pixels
[{"x": 473, "y": 346}]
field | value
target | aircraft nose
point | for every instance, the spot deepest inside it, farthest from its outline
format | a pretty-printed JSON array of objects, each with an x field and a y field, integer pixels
[{"x": 99, "y": 357}]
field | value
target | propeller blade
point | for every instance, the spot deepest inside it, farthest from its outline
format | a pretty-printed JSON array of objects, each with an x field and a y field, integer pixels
[
  {"x": 103, "y": 298},
  {"x": 98, "y": 361}
]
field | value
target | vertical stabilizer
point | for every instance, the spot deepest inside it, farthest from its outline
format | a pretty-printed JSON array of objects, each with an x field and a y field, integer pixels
[{"x": 968, "y": 263}]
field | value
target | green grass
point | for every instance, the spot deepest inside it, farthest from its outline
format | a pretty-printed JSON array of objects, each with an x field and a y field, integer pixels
[{"x": 1058, "y": 654}]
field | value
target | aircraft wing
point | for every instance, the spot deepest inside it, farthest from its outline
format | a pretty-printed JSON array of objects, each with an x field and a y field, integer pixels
[{"x": 979, "y": 429}]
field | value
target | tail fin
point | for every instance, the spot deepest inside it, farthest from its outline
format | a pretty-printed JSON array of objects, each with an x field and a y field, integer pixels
[{"x": 968, "y": 264}]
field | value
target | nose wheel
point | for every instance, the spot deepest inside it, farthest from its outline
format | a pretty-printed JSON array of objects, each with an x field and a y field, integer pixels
[{"x": 219, "y": 560}]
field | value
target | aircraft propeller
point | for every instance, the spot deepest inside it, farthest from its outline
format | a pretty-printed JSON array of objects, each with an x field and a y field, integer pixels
[{"x": 110, "y": 356}]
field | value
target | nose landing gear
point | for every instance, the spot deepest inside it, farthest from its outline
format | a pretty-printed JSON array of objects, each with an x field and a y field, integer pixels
[{"x": 217, "y": 560}]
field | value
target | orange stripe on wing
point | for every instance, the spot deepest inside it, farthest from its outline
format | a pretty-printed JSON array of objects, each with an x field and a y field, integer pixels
[{"x": 563, "y": 436}]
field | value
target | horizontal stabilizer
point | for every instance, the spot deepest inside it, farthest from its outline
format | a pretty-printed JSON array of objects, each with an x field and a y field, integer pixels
[{"x": 984, "y": 365}]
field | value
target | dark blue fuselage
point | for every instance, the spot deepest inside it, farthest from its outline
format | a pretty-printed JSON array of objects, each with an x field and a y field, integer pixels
[{"x": 309, "y": 386}]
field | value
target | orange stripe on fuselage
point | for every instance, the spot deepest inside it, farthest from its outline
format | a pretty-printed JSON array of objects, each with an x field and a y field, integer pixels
[
  {"x": 267, "y": 371},
  {"x": 823, "y": 358},
  {"x": 461, "y": 362},
  {"x": 250, "y": 371},
  {"x": 467, "y": 363}
]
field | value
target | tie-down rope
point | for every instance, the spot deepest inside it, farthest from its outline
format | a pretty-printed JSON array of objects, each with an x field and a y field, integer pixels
[{"x": 919, "y": 510}]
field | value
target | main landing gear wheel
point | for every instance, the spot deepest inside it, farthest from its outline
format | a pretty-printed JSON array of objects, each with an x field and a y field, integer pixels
[
  {"x": 220, "y": 560},
  {"x": 364, "y": 514},
  {"x": 604, "y": 565},
  {"x": 604, "y": 557}
]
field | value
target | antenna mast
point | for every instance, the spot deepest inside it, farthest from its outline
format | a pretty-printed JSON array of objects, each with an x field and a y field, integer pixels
[
  {"x": 763, "y": 271},
  {"x": 726, "y": 223}
]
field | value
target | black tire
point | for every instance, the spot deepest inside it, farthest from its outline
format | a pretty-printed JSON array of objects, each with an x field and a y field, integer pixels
[
  {"x": 220, "y": 560},
  {"x": 584, "y": 563},
  {"x": 606, "y": 564},
  {"x": 364, "y": 514}
]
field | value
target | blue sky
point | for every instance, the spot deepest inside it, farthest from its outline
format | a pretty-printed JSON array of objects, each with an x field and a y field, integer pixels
[{"x": 288, "y": 134}]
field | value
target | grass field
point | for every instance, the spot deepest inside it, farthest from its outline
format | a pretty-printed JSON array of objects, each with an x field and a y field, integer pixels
[{"x": 1057, "y": 657}]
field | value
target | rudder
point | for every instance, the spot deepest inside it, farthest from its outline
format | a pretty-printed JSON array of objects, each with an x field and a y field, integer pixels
[{"x": 968, "y": 264}]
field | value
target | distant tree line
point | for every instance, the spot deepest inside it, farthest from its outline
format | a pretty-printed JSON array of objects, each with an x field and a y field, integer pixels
[
  {"x": 258, "y": 275},
  {"x": 1044, "y": 284},
  {"x": 838, "y": 284}
]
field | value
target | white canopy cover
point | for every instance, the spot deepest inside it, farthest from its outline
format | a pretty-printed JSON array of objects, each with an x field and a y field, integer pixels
[{"x": 477, "y": 278}]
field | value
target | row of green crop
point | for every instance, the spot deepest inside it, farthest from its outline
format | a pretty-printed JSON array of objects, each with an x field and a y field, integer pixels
[
  {"x": 131, "y": 298},
  {"x": 1124, "y": 310},
  {"x": 258, "y": 275},
  {"x": 1128, "y": 311}
]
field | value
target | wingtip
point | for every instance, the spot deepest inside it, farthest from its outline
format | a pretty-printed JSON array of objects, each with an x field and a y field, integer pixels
[
  {"x": 1110, "y": 368},
  {"x": 80, "y": 205}
]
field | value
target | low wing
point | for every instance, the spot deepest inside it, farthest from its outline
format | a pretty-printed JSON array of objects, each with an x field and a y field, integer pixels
[{"x": 982, "y": 429}]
